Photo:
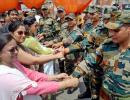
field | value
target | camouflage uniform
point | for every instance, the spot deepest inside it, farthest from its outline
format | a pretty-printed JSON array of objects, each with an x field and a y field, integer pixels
[
  {"x": 71, "y": 40},
  {"x": 100, "y": 33},
  {"x": 94, "y": 37},
  {"x": 73, "y": 43},
  {"x": 63, "y": 31},
  {"x": 49, "y": 27},
  {"x": 116, "y": 67},
  {"x": 113, "y": 63}
]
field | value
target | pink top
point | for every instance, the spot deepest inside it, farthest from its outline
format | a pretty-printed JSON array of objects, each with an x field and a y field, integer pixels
[{"x": 44, "y": 86}]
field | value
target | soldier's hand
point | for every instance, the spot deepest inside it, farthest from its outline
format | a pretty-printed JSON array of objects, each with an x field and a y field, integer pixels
[{"x": 57, "y": 45}]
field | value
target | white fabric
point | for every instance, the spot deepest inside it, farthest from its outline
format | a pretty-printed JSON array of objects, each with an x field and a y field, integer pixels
[
  {"x": 37, "y": 18},
  {"x": 49, "y": 68}
]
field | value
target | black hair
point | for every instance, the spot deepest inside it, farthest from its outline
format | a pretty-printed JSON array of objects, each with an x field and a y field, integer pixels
[
  {"x": 14, "y": 26},
  {"x": 2, "y": 16},
  {"x": 5, "y": 38},
  {"x": 29, "y": 20},
  {"x": 12, "y": 10}
]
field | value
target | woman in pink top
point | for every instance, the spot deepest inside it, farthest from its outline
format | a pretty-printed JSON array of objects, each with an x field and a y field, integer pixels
[{"x": 15, "y": 79}]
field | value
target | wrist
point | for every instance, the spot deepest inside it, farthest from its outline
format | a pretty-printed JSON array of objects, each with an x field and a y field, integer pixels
[
  {"x": 66, "y": 50},
  {"x": 61, "y": 43}
]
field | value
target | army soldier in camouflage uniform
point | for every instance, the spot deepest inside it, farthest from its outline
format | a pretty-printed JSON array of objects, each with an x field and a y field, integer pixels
[
  {"x": 71, "y": 41},
  {"x": 113, "y": 56},
  {"x": 115, "y": 13},
  {"x": 50, "y": 27},
  {"x": 89, "y": 12},
  {"x": 98, "y": 32},
  {"x": 95, "y": 36},
  {"x": 62, "y": 24}
]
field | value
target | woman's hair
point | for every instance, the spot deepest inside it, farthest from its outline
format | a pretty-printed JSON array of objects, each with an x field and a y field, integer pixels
[
  {"x": 29, "y": 21},
  {"x": 15, "y": 25},
  {"x": 4, "y": 38}
]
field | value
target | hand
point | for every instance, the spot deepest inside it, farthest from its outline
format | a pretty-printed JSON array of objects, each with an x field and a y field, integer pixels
[
  {"x": 62, "y": 76},
  {"x": 60, "y": 49},
  {"x": 48, "y": 43},
  {"x": 57, "y": 45},
  {"x": 59, "y": 55},
  {"x": 72, "y": 82},
  {"x": 40, "y": 36}
]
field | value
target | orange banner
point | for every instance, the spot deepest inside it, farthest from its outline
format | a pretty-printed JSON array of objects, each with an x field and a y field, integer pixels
[
  {"x": 74, "y": 6},
  {"x": 8, "y": 4},
  {"x": 33, "y": 3}
]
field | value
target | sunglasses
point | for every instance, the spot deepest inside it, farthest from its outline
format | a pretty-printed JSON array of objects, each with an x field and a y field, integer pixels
[
  {"x": 22, "y": 32},
  {"x": 12, "y": 50},
  {"x": 2, "y": 21}
]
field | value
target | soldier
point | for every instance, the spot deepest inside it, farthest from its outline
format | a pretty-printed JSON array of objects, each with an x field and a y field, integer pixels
[
  {"x": 71, "y": 41},
  {"x": 113, "y": 56},
  {"x": 49, "y": 24},
  {"x": 61, "y": 21},
  {"x": 62, "y": 24},
  {"x": 115, "y": 13},
  {"x": 61, "y": 17},
  {"x": 116, "y": 78},
  {"x": 94, "y": 38},
  {"x": 89, "y": 12}
]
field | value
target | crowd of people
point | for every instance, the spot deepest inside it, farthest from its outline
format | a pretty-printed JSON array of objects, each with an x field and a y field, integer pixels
[{"x": 42, "y": 53}]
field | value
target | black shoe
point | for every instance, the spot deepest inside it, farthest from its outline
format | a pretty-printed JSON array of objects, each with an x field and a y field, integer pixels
[
  {"x": 84, "y": 95},
  {"x": 71, "y": 90}
]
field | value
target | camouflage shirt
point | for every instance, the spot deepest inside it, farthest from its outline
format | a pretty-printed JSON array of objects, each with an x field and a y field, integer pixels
[
  {"x": 116, "y": 66},
  {"x": 50, "y": 28}
]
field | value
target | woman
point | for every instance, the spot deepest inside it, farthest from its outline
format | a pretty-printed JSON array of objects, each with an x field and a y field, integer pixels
[
  {"x": 17, "y": 80},
  {"x": 19, "y": 33},
  {"x": 32, "y": 43}
]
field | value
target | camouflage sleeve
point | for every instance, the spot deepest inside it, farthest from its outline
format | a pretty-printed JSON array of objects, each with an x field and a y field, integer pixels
[
  {"x": 75, "y": 36},
  {"x": 82, "y": 45},
  {"x": 94, "y": 59},
  {"x": 56, "y": 26},
  {"x": 74, "y": 47},
  {"x": 58, "y": 38}
]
